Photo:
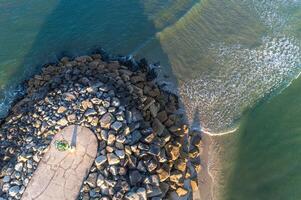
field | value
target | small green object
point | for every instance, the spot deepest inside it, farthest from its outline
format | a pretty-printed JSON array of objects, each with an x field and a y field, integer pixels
[{"x": 61, "y": 145}]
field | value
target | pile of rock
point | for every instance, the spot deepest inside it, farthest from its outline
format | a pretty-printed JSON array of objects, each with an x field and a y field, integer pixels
[{"x": 145, "y": 150}]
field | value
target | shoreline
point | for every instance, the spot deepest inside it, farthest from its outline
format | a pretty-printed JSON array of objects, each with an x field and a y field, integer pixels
[
  {"x": 211, "y": 180},
  {"x": 205, "y": 179}
]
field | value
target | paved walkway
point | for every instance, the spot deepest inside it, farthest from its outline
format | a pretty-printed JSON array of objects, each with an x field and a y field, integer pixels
[{"x": 60, "y": 174}]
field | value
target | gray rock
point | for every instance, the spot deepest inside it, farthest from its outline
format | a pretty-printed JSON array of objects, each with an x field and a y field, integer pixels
[
  {"x": 96, "y": 101},
  {"x": 61, "y": 109},
  {"x": 129, "y": 116},
  {"x": 118, "y": 196},
  {"x": 15, "y": 182},
  {"x": 173, "y": 151},
  {"x": 134, "y": 137},
  {"x": 119, "y": 145},
  {"x": 19, "y": 167},
  {"x": 113, "y": 159},
  {"x": 136, "y": 116},
  {"x": 143, "y": 146},
  {"x": 111, "y": 139},
  {"x": 125, "y": 186},
  {"x": 135, "y": 177},
  {"x": 115, "y": 102},
  {"x": 85, "y": 188},
  {"x": 151, "y": 165},
  {"x": 154, "y": 110},
  {"x": 5, "y": 187},
  {"x": 86, "y": 104},
  {"x": 106, "y": 103},
  {"x": 141, "y": 166},
  {"x": 141, "y": 193},
  {"x": 162, "y": 156},
  {"x": 91, "y": 180},
  {"x": 62, "y": 122},
  {"x": 147, "y": 131},
  {"x": 154, "y": 150},
  {"x": 164, "y": 188},
  {"x": 22, "y": 189},
  {"x": 104, "y": 135},
  {"x": 120, "y": 138},
  {"x": 148, "y": 138},
  {"x": 23, "y": 157},
  {"x": 132, "y": 161},
  {"x": 6, "y": 179},
  {"x": 17, "y": 175},
  {"x": 162, "y": 116},
  {"x": 69, "y": 97},
  {"x": 110, "y": 183},
  {"x": 26, "y": 181},
  {"x": 152, "y": 180},
  {"x": 13, "y": 191},
  {"x": 91, "y": 89},
  {"x": 181, "y": 191},
  {"x": 29, "y": 139},
  {"x": 109, "y": 149},
  {"x": 103, "y": 88},
  {"x": 157, "y": 198},
  {"x": 150, "y": 101},
  {"x": 106, "y": 120},
  {"x": 158, "y": 127},
  {"x": 100, "y": 160},
  {"x": 176, "y": 176},
  {"x": 113, "y": 170},
  {"x": 94, "y": 193},
  {"x": 100, "y": 180},
  {"x": 101, "y": 110},
  {"x": 44, "y": 126},
  {"x": 29, "y": 164},
  {"x": 116, "y": 125},
  {"x": 90, "y": 112},
  {"x": 120, "y": 153},
  {"x": 131, "y": 196},
  {"x": 122, "y": 171},
  {"x": 111, "y": 109},
  {"x": 119, "y": 118},
  {"x": 155, "y": 180},
  {"x": 152, "y": 191},
  {"x": 71, "y": 118}
]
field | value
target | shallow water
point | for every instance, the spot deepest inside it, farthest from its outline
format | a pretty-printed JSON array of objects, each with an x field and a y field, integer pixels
[{"x": 228, "y": 55}]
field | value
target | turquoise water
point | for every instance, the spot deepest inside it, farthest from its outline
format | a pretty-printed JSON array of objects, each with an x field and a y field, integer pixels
[
  {"x": 34, "y": 32},
  {"x": 221, "y": 57}
]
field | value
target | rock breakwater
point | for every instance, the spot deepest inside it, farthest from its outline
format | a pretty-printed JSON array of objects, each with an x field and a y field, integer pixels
[{"x": 145, "y": 149}]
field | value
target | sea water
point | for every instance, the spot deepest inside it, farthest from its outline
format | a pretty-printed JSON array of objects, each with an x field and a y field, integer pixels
[
  {"x": 262, "y": 159},
  {"x": 221, "y": 57}
]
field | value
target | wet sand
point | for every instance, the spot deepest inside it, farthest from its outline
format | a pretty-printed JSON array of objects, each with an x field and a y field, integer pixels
[
  {"x": 205, "y": 181},
  {"x": 217, "y": 158}
]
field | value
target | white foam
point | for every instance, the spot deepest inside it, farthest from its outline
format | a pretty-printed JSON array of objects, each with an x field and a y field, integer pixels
[
  {"x": 271, "y": 12},
  {"x": 8, "y": 96},
  {"x": 245, "y": 75}
]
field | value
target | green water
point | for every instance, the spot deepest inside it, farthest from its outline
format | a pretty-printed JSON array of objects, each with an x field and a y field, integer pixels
[{"x": 267, "y": 162}]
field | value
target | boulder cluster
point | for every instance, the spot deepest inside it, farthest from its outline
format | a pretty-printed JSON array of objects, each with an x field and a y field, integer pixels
[{"x": 145, "y": 149}]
